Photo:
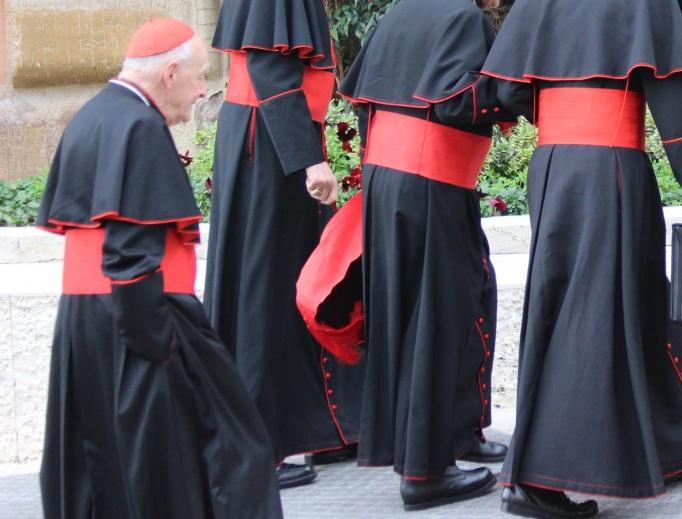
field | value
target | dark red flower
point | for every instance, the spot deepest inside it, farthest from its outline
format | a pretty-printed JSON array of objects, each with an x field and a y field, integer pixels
[
  {"x": 498, "y": 204},
  {"x": 186, "y": 159},
  {"x": 344, "y": 132},
  {"x": 347, "y": 147},
  {"x": 208, "y": 185},
  {"x": 481, "y": 194}
]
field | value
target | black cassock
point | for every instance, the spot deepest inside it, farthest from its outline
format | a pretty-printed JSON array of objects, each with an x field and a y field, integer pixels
[
  {"x": 264, "y": 224},
  {"x": 429, "y": 287},
  {"x": 599, "y": 405},
  {"x": 130, "y": 433}
]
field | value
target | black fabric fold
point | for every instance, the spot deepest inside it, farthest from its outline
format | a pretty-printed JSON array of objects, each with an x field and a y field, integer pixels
[
  {"x": 143, "y": 318},
  {"x": 132, "y": 170},
  {"x": 615, "y": 38},
  {"x": 441, "y": 63},
  {"x": 278, "y": 25},
  {"x": 277, "y": 81}
]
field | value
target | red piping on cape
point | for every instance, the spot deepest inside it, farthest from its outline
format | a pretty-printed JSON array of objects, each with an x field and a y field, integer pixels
[
  {"x": 361, "y": 100},
  {"x": 528, "y": 78},
  {"x": 286, "y": 51},
  {"x": 673, "y": 141},
  {"x": 188, "y": 236}
]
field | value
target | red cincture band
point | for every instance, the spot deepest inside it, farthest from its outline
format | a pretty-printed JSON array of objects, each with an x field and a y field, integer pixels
[
  {"x": 592, "y": 117},
  {"x": 427, "y": 149},
  {"x": 318, "y": 87},
  {"x": 83, "y": 264}
]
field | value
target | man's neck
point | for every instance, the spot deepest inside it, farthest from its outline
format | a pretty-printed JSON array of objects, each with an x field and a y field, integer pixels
[{"x": 150, "y": 90}]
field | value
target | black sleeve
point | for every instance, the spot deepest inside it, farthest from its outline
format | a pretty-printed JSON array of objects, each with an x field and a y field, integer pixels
[
  {"x": 132, "y": 257},
  {"x": 663, "y": 97},
  {"x": 518, "y": 98},
  {"x": 277, "y": 80},
  {"x": 477, "y": 105},
  {"x": 363, "y": 127}
]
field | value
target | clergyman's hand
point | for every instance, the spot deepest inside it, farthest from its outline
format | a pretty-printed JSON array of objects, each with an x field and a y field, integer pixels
[{"x": 321, "y": 183}]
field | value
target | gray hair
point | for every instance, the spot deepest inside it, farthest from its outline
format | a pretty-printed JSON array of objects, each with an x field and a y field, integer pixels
[{"x": 151, "y": 65}]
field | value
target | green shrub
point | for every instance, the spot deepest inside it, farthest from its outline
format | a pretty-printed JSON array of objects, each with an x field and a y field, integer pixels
[
  {"x": 343, "y": 147},
  {"x": 20, "y": 200},
  {"x": 502, "y": 181},
  {"x": 201, "y": 169}
]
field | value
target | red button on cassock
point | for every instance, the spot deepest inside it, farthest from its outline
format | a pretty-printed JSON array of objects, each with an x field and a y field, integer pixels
[
  {"x": 334, "y": 406},
  {"x": 330, "y": 391},
  {"x": 329, "y": 375}
]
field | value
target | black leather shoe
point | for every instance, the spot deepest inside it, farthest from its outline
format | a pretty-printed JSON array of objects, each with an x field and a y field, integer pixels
[
  {"x": 486, "y": 452},
  {"x": 290, "y": 475},
  {"x": 528, "y": 501},
  {"x": 455, "y": 485},
  {"x": 348, "y": 452}
]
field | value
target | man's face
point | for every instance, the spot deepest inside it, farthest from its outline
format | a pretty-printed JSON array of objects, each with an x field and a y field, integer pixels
[{"x": 187, "y": 84}]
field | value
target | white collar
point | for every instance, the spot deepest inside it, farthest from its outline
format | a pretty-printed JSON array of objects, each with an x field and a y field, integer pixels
[{"x": 132, "y": 89}]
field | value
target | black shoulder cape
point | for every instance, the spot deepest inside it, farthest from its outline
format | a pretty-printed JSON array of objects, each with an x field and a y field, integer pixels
[
  {"x": 422, "y": 52},
  {"x": 279, "y": 25},
  {"x": 580, "y": 39},
  {"x": 117, "y": 160}
]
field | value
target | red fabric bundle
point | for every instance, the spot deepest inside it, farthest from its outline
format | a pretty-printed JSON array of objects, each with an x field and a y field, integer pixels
[{"x": 327, "y": 268}]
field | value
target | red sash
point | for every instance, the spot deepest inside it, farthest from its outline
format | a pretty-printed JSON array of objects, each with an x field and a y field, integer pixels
[
  {"x": 83, "y": 264},
  {"x": 318, "y": 87},
  {"x": 427, "y": 149},
  {"x": 592, "y": 117}
]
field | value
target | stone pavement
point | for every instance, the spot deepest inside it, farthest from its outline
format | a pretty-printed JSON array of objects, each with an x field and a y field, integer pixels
[{"x": 344, "y": 491}]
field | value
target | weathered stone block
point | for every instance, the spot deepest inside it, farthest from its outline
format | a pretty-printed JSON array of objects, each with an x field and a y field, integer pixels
[
  {"x": 8, "y": 419},
  {"x": 3, "y": 43},
  {"x": 33, "y": 320},
  {"x": 505, "y": 368}
]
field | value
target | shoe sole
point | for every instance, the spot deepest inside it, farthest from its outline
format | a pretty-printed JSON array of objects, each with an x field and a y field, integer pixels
[
  {"x": 476, "y": 459},
  {"x": 452, "y": 499},
  {"x": 526, "y": 511},
  {"x": 298, "y": 482},
  {"x": 309, "y": 460}
]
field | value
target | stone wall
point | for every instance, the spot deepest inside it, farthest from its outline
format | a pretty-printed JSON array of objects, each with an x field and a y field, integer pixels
[{"x": 56, "y": 54}]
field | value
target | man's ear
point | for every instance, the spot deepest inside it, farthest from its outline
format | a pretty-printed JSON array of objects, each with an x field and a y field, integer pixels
[{"x": 170, "y": 74}]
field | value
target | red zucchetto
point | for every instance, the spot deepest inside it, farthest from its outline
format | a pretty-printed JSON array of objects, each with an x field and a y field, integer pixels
[{"x": 158, "y": 35}]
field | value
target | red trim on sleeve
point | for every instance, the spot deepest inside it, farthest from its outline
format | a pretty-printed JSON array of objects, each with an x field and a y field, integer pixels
[{"x": 673, "y": 141}]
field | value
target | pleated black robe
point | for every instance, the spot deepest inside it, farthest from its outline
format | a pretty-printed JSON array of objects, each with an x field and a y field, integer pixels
[
  {"x": 264, "y": 225},
  {"x": 599, "y": 406},
  {"x": 146, "y": 416},
  {"x": 429, "y": 287}
]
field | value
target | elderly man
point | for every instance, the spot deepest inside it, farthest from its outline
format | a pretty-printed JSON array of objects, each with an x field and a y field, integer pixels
[
  {"x": 271, "y": 190},
  {"x": 147, "y": 416}
]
